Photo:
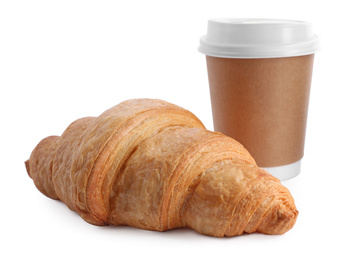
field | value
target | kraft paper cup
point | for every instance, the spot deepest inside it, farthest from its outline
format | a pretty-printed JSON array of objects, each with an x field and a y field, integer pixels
[{"x": 259, "y": 74}]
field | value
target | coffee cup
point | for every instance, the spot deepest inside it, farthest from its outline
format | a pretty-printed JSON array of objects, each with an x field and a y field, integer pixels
[{"x": 259, "y": 73}]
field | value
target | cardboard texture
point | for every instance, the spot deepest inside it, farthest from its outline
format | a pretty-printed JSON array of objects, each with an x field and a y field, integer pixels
[{"x": 263, "y": 104}]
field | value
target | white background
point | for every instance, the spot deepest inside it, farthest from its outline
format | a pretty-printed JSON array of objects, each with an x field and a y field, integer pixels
[{"x": 62, "y": 60}]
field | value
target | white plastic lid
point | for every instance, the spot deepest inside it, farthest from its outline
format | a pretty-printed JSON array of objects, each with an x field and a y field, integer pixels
[{"x": 258, "y": 38}]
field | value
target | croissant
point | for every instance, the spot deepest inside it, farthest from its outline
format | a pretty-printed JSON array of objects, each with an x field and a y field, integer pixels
[{"x": 150, "y": 164}]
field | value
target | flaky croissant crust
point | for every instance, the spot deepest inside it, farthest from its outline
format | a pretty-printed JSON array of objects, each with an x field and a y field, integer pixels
[{"x": 150, "y": 164}]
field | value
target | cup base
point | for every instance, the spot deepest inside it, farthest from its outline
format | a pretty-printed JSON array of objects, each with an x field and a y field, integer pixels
[{"x": 285, "y": 172}]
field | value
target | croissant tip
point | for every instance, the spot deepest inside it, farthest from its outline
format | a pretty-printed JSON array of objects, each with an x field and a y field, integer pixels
[
  {"x": 286, "y": 219},
  {"x": 279, "y": 221},
  {"x": 27, "y": 166}
]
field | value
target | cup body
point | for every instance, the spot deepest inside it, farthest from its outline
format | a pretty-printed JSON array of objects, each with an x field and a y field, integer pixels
[
  {"x": 263, "y": 104},
  {"x": 259, "y": 73}
]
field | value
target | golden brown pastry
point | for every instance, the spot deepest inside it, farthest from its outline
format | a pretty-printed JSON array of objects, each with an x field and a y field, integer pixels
[{"x": 152, "y": 165}]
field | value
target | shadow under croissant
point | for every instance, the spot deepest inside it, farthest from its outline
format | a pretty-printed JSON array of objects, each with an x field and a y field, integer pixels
[
  {"x": 176, "y": 233},
  {"x": 152, "y": 165},
  {"x": 173, "y": 234}
]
